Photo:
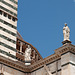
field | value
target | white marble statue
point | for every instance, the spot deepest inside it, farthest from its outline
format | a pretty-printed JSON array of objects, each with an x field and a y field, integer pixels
[
  {"x": 66, "y": 32},
  {"x": 28, "y": 53}
]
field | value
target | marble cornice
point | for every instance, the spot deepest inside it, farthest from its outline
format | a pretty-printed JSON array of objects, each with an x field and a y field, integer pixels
[
  {"x": 48, "y": 60},
  {"x": 21, "y": 66},
  {"x": 54, "y": 57},
  {"x": 65, "y": 48},
  {"x": 14, "y": 64}
]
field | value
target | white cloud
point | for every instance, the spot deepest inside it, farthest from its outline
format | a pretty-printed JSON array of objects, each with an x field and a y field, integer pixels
[{"x": 74, "y": 0}]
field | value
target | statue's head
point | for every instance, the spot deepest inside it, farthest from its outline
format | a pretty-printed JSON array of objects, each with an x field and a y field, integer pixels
[
  {"x": 28, "y": 46},
  {"x": 65, "y": 24}
]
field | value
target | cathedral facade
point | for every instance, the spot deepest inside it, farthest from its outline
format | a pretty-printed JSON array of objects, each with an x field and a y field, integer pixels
[{"x": 18, "y": 57}]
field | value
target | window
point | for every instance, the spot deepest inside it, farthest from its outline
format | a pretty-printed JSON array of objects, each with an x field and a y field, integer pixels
[
  {"x": 0, "y": 12},
  {"x": 5, "y": 14},
  {"x": 13, "y": 19},
  {"x": 9, "y": 16}
]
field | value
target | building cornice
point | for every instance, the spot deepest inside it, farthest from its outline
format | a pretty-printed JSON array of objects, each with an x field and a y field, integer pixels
[
  {"x": 54, "y": 57},
  {"x": 14, "y": 64},
  {"x": 48, "y": 60},
  {"x": 65, "y": 48}
]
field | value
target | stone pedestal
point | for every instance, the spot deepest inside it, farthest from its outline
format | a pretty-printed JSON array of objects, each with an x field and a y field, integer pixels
[
  {"x": 66, "y": 41},
  {"x": 27, "y": 62}
]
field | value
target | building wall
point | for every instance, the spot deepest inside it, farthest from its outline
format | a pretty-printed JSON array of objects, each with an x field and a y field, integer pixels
[
  {"x": 54, "y": 68},
  {"x": 9, "y": 71},
  {"x": 63, "y": 66},
  {"x": 8, "y": 24},
  {"x": 8, "y": 27},
  {"x": 72, "y": 64},
  {"x": 40, "y": 71}
]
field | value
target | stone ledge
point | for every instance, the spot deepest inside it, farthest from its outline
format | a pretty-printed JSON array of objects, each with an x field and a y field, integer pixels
[
  {"x": 68, "y": 64},
  {"x": 14, "y": 64},
  {"x": 66, "y": 41},
  {"x": 50, "y": 59}
]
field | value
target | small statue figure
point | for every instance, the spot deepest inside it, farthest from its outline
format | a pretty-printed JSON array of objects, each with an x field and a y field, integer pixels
[
  {"x": 28, "y": 53},
  {"x": 66, "y": 32}
]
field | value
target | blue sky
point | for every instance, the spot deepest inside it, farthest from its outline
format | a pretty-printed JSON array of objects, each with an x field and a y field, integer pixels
[{"x": 41, "y": 22}]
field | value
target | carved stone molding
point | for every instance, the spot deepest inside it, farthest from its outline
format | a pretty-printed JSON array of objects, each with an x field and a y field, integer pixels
[
  {"x": 14, "y": 64},
  {"x": 50, "y": 59}
]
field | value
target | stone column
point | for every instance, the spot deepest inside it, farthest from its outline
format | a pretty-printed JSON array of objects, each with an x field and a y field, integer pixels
[
  {"x": 21, "y": 44},
  {"x": 34, "y": 54},
  {"x": 37, "y": 57}
]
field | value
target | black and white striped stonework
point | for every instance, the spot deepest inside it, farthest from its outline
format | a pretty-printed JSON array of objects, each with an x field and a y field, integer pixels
[{"x": 8, "y": 26}]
